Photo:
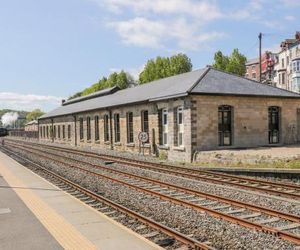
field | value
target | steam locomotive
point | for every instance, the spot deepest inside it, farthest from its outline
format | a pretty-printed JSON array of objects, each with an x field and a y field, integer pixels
[{"x": 3, "y": 132}]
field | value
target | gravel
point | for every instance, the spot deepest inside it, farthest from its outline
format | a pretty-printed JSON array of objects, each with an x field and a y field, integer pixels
[{"x": 222, "y": 234}]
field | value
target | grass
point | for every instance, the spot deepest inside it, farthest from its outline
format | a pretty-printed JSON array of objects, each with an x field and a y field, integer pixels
[{"x": 283, "y": 164}]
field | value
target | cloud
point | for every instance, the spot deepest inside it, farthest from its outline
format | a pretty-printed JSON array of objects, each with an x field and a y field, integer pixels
[
  {"x": 290, "y": 3},
  {"x": 143, "y": 32},
  {"x": 290, "y": 18},
  {"x": 156, "y": 24},
  {"x": 27, "y": 102},
  {"x": 205, "y": 10}
]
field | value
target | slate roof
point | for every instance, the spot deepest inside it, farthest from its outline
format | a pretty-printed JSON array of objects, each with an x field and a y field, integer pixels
[
  {"x": 31, "y": 122},
  {"x": 252, "y": 61},
  {"x": 207, "y": 81}
]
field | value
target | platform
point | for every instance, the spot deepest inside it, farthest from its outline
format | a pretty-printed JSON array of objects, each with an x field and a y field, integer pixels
[{"x": 34, "y": 214}]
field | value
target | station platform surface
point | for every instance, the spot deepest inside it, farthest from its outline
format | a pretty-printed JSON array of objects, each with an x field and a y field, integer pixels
[{"x": 35, "y": 214}]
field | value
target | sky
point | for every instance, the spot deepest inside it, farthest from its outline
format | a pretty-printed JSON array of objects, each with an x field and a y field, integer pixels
[{"x": 51, "y": 49}]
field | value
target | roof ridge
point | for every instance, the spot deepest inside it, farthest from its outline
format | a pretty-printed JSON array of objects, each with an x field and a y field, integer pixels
[
  {"x": 256, "y": 82},
  {"x": 199, "y": 79}
]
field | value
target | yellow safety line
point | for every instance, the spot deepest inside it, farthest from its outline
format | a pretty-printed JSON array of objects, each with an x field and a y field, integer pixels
[{"x": 67, "y": 236}]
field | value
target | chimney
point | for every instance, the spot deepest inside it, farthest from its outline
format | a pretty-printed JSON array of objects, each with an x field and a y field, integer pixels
[
  {"x": 297, "y": 35},
  {"x": 63, "y": 101}
]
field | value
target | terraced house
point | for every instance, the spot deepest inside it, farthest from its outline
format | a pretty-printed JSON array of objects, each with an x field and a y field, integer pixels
[{"x": 200, "y": 110}]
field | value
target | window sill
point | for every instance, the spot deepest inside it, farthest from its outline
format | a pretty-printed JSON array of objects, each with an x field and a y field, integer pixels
[
  {"x": 117, "y": 143},
  {"x": 164, "y": 147},
  {"x": 180, "y": 148},
  {"x": 107, "y": 142},
  {"x": 130, "y": 145},
  {"x": 81, "y": 140},
  {"x": 97, "y": 142},
  {"x": 146, "y": 145},
  {"x": 88, "y": 141}
]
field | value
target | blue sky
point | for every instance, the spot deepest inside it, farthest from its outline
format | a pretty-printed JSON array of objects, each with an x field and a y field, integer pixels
[{"x": 51, "y": 49}]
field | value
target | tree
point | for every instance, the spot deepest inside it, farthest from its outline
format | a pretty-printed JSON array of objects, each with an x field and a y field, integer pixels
[
  {"x": 121, "y": 79},
  {"x": 235, "y": 63},
  {"x": 34, "y": 114},
  {"x": 162, "y": 67}
]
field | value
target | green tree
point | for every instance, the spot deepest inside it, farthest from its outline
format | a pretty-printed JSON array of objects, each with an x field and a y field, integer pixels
[
  {"x": 235, "y": 63},
  {"x": 162, "y": 67},
  {"x": 34, "y": 114},
  {"x": 121, "y": 79}
]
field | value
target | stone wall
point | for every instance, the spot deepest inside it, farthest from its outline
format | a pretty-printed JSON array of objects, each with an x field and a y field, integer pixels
[
  {"x": 250, "y": 121},
  {"x": 152, "y": 148}
]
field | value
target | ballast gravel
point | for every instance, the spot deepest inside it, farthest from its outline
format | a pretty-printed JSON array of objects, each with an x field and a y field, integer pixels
[{"x": 222, "y": 234}]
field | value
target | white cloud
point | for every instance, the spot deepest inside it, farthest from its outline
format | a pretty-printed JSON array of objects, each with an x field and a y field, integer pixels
[
  {"x": 143, "y": 32},
  {"x": 205, "y": 10},
  {"x": 290, "y": 18},
  {"x": 27, "y": 102},
  {"x": 290, "y": 3}
]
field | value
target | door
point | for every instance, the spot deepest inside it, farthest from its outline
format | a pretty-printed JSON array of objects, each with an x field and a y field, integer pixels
[{"x": 274, "y": 131}]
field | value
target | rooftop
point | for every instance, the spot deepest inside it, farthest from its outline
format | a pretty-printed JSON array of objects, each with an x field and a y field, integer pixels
[{"x": 206, "y": 81}]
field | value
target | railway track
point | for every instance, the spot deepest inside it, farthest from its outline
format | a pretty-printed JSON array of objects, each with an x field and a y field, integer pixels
[
  {"x": 234, "y": 211},
  {"x": 101, "y": 203},
  {"x": 274, "y": 188}
]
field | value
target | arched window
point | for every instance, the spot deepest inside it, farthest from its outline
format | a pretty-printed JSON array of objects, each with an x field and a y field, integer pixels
[
  {"x": 88, "y": 128},
  {"x": 274, "y": 124},
  {"x": 81, "y": 128},
  {"x": 225, "y": 125},
  {"x": 96, "y": 128},
  {"x": 106, "y": 128}
]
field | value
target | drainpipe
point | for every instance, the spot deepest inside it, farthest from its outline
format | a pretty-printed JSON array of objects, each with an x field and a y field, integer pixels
[
  {"x": 75, "y": 134},
  {"x": 111, "y": 130}
]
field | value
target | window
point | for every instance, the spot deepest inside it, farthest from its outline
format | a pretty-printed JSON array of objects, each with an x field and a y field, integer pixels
[
  {"x": 47, "y": 131},
  {"x": 129, "y": 122},
  {"x": 180, "y": 127},
  {"x": 117, "y": 127},
  {"x": 274, "y": 118},
  {"x": 88, "y": 128},
  {"x": 54, "y": 131},
  {"x": 145, "y": 122},
  {"x": 282, "y": 63},
  {"x": 69, "y": 131},
  {"x": 225, "y": 128},
  {"x": 165, "y": 126},
  {"x": 106, "y": 128},
  {"x": 63, "y": 131},
  {"x": 81, "y": 128},
  {"x": 283, "y": 78},
  {"x": 96, "y": 128},
  {"x": 41, "y": 131},
  {"x": 254, "y": 76},
  {"x": 51, "y": 131},
  {"x": 296, "y": 66},
  {"x": 253, "y": 67},
  {"x": 44, "y": 131},
  {"x": 58, "y": 127}
]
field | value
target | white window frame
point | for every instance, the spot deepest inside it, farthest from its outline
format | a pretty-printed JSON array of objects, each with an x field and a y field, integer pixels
[
  {"x": 180, "y": 127},
  {"x": 165, "y": 129}
]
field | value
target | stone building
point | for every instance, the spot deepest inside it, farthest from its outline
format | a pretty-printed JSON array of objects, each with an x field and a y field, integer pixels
[
  {"x": 201, "y": 110},
  {"x": 287, "y": 67},
  {"x": 252, "y": 69},
  {"x": 31, "y": 126}
]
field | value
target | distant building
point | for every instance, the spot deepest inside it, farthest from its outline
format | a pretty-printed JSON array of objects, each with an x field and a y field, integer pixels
[
  {"x": 268, "y": 61},
  {"x": 287, "y": 67},
  {"x": 32, "y": 126},
  {"x": 252, "y": 69}
]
